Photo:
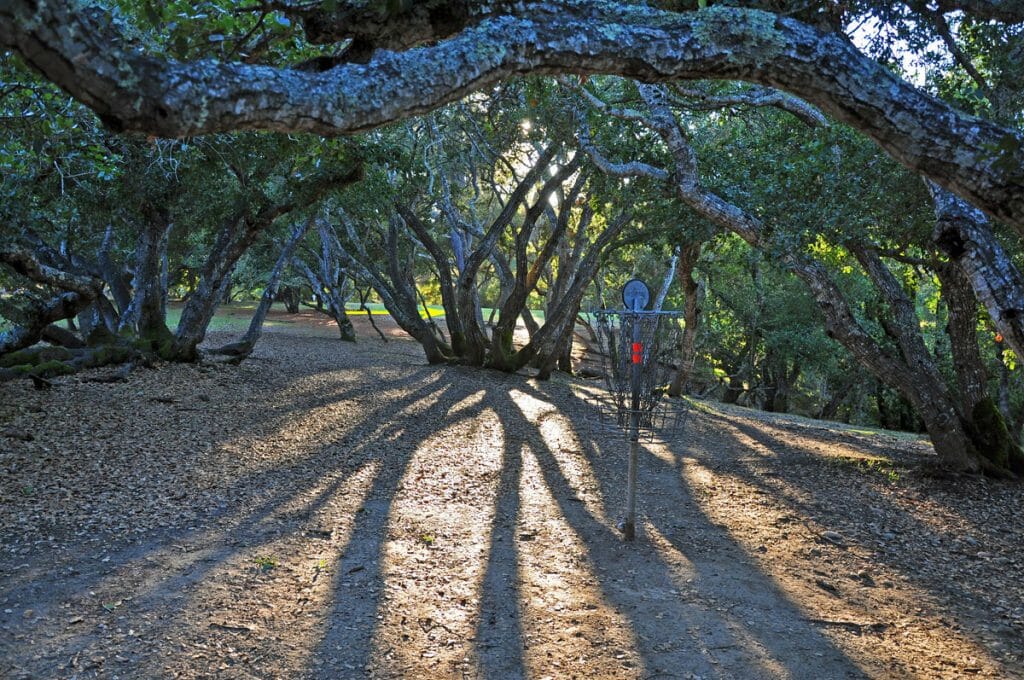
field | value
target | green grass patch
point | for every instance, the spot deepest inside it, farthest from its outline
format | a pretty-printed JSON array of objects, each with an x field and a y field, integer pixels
[
  {"x": 352, "y": 308},
  {"x": 881, "y": 467},
  {"x": 235, "y": 317}
]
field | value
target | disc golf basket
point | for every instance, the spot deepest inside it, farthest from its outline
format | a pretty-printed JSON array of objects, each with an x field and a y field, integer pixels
[
  {"x": 622, "y": 335},
  {"x": 639, "y": 349}
]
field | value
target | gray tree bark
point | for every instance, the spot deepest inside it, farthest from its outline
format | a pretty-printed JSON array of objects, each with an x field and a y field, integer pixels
[
  {"x": 146, "y": 314},
  {"x": 962, "y": 306},
  {"x": 394, "y": 287},
  {"x": 83, "y": 51},
  {"x": 76, "y": 293},
  {"x": 689, "y": 255},
  {"x": 666, "y": 282},
  {"x": 966, "y": 237},
  {"x": 330, "y": 281},
  {"x": 244, "y": 347},
  {"x": 239, "y": 231}
]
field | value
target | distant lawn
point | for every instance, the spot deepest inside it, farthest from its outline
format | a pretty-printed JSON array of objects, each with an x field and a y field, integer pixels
[
  {"x": 235, "y": 317},
  {"x": 436, "y": 311}
]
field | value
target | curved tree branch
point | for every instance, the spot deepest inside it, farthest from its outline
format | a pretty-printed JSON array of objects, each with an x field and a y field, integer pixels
[
  {"x": 615, "y": 169},
  {"x": 756, "y": 97},
  {"x": 82, "y": 52},
  {"x": 25, "y": 262},
  {"x": 946, "y": 33}
]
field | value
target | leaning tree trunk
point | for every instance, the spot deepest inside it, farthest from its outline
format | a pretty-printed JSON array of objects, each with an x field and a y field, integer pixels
[
  {"x": 77, "y": 293},
  {"x": 395, "y": 291},
  {"x": 965, "y": 235},
  {"x": 244, "y": 347},
  {"x": 467, "y": 296},
  {"x": 914, "y": 373},
  {"x": 501, "y": 352},
  {"x": 291, "y": 297},
  {"x": 544, "y": 341},
  {"x": 453, "y": 313},
  {"x": 985, "y": 423},
  {"x": 34, "y": 315},
  {"x": 112, "y": 273},
  {"x": 666, "y": 282},
  {"x": 238, "y": 232},
  {"x": 840, "y": 393},
  {"x": 962, "y": 329},
  {"x": 146, "y": 314},
  {"x": 569, "y": 258},
  {"x": 906, "y": 373},
  {"x": 560, "y": 354},
  {"x": 333, "y": 290},
  {"x": 339, "y": 300},
  {"x": 196, "y": 316},
  {"x": 29, "y": 329}
]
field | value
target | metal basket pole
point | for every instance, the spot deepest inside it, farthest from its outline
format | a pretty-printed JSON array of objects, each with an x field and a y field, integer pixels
[
  {"x": 633, "y": 405},
  {"x": 629, "y": 526}
]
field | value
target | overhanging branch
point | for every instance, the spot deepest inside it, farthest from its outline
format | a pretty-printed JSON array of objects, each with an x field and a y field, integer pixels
[{"x": 82, "y": 52}]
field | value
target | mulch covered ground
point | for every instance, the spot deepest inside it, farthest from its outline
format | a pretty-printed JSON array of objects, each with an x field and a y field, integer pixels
[{"x": 345, "y": 511}]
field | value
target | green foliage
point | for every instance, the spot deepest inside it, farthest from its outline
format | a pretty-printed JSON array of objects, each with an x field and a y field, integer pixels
[{"x": 880, "y": 467}]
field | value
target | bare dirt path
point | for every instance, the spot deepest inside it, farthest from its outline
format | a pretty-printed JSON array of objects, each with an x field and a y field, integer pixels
[{"x": 337, "y": 511}]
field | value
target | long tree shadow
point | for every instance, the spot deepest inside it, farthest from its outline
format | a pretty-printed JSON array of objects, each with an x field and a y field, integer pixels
[
  {"x": 349, "y": 647},
  {"x": 718, "y": 617},
  {"x": 348, "y": 644},
  {"x": 693, "y": 600},
  {"x": 890, "y": 533},
  {"x": 239, "y": 525},
  {"x": 340, "y": 457},
  {"x": 499, "y": 631},
  {"x": 727, "y": 618},
  {"x": 858, "y": 441}
]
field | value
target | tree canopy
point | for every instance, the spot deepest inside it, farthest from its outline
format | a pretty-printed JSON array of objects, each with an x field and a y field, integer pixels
[{"x": 409, "y": 59}]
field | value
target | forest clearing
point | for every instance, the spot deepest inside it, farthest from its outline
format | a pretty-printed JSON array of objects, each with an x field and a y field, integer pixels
[
  {"x": 513, "y": 339},
  {"x": 330, "y": 510}
]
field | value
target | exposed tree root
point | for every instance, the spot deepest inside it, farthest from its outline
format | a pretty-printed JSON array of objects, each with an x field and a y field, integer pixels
[{"x": 45, "y": 362}]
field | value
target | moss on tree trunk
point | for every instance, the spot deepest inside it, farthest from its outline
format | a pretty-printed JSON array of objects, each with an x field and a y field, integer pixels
[{"x": 992, "y": 439}]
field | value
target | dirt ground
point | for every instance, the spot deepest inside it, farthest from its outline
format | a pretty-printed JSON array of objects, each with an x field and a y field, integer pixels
[{"x": 345, "y": 511}]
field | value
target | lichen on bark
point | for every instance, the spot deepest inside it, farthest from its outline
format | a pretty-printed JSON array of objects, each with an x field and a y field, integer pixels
[{"x": 568, "y": 36}]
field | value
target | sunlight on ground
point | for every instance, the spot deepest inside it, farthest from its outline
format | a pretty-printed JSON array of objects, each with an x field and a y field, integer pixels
[
  {"x": 329, "y": 511},
  {"x": 326, "y": 400},
  {"x": 772, "y": 507},
  {"x": 436, "y": 553},
  {"x": 560, "y": 585},
  {"x": 939, "y": 518},
  {"x": 560, "y": 438}
]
